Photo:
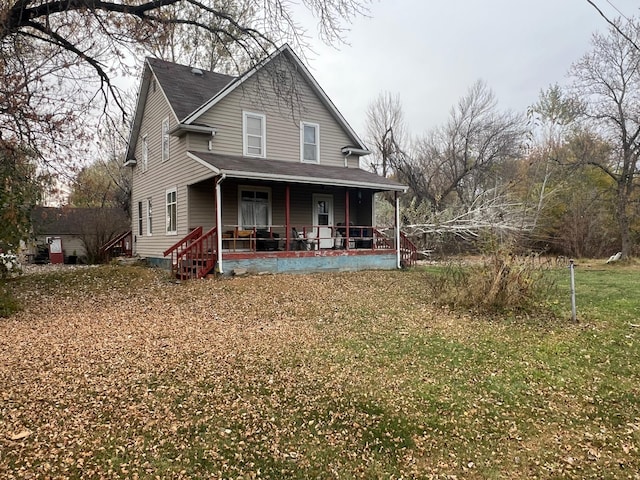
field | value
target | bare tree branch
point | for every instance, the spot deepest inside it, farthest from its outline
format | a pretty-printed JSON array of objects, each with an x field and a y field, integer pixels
[{"x": 614, "y": 25}]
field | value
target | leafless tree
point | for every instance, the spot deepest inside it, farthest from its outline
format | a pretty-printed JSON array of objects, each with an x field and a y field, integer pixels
[
  {"x": 608, "y": 77},
  {"x": 459, "y": 162},
  {"x": 614, "y": 24},
  {"x": 493, "y": 211},
  {"x": 59, "y": 58},
  {"x": 554, "y": 118},
  {"x": 208, "y": 49},
  {"x": 386, "y": 133}
]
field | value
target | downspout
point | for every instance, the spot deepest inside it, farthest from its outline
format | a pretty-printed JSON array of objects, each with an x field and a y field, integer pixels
[
  {"x": 219, "y": 180},
  {"x": 346, "y": 156},
  {"x": 397, "y": 220}
]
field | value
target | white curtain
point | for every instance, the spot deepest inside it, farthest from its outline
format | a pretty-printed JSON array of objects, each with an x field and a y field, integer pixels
[{"x": 255, "y": 212}]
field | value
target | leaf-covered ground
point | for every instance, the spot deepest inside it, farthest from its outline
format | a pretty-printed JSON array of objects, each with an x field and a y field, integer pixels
[{"x": 118, "y": 372}]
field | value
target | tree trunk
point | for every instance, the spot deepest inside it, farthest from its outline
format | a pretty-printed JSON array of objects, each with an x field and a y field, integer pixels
[{"x": 623, "y": 221}]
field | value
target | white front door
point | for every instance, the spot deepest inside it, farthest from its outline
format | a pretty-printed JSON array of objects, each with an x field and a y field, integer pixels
[{"x": 323, "y": 219}]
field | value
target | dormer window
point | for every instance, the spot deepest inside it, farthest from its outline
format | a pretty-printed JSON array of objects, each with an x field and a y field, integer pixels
[
  {"x": 310, "y": 142},
  {"x": 254, "y": 134}
]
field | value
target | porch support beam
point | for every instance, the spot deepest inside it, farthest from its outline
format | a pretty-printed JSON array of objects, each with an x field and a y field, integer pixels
[
  {"x": 397, "y": 229},
  {"x": 346, "y": 218},
  {"x": 218, "y": 181},
  {"x": 287, "y": 216}
]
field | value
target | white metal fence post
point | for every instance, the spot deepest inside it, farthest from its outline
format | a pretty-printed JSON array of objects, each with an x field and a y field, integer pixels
[{"x": 573, "y": 290}]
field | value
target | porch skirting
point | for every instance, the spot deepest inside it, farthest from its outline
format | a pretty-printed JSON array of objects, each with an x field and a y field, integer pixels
[{"x": 306, "y": 262}]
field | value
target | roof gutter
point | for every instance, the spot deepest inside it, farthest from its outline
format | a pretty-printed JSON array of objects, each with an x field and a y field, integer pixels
[
  {"x": 355, "y": 151},
  {"x": 313, "y": 180},
  {"x": 182, "y": 128}
]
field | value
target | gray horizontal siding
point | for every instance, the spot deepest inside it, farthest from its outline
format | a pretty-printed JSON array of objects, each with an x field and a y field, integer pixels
[
  {"x": 176, "y": 172},
  {"x": 282, "y": 123}
]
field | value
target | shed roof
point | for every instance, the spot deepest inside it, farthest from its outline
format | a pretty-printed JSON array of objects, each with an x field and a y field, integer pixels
[{"x": 294, "y": 172}]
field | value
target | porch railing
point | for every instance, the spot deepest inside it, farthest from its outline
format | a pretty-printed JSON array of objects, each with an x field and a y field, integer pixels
[
  {"x": 195, "y": 255},
  {"x": 197, "y": 258},
  {"x": 302, "y": 237},
  {"x": 121, "y": 245}
]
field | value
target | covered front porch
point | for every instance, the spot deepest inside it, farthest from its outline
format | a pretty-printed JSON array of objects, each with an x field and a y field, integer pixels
[{"x": 309, "y": 218}]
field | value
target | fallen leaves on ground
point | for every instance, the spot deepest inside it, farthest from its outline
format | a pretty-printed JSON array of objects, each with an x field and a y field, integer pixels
[{"x": 120, "y": 372}]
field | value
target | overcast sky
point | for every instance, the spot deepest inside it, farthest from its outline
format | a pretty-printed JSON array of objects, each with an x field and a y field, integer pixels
[{"x": 431, "y": 51}]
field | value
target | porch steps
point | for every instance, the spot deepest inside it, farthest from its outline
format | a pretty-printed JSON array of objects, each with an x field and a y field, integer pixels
[{"x": 195, "y": 255}]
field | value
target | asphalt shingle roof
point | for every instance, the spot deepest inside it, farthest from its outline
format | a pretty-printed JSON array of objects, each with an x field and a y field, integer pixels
[
  {"x": 72, "y": 221},
  {"x": 185, "y": 90},
  {"x": 251, "y": 167}
]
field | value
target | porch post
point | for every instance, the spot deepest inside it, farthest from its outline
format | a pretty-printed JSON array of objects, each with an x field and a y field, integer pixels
[
  {"x": 218, "y": 181},
  {"x": 346, "y": 219},
  {"x": 397, "y": 222},
  {"x": 287, "y": 214}
]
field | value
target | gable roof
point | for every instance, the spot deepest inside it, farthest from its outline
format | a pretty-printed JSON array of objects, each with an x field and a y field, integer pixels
[
  {"x": 190, "y": 94},
  {"x": 186, "y": 88},
  {"x": 294, "y": 172},
  {"x": 306, "y": 75}
]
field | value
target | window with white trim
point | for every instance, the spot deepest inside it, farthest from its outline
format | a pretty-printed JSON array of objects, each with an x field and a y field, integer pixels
[
  {"x": 310, "y": 142},
  {"x": 172, "y": 212},
  {"x": 165, "y": 139},
  {"x": 149, "y": 217},
  {"x": 145, "y": 154},
  {"x": 255, "y": 207},
  {"x": 140, "y": 219},
  {"x": 254, "y": 134}
]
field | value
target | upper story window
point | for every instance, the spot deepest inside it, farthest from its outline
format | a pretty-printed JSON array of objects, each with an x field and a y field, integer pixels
[
  {"x": 172, "y": 212},
  {"x": 254, "y": 134},
  {"x": 165, "y": 139},
  {"x": 310, "y": 142},
  {"x": 145, "y": 154}
]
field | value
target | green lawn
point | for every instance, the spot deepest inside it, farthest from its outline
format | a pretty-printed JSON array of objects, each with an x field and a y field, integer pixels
[{"x": 117, "y": 372}]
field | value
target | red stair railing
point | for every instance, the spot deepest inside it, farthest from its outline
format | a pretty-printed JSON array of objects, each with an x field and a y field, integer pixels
[
  {"x": 181, "y": 245},
  {"x": 408, "y": 251},
  {"x": 198, "y": 258},
  {"x": 381, "y": 241}
]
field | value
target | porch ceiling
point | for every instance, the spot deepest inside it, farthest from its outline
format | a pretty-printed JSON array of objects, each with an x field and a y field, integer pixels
[{"x": 294, "y": 172}]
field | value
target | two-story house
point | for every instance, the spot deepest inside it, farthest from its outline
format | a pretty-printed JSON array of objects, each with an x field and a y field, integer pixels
[{"x": 258, "y": 172}]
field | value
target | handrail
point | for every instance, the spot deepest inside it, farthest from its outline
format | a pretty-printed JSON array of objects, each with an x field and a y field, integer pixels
[
  {"x": 183, "y": 243},
  {"x": 198, "y": 257},
  {"x": 382, "y": 241},
  {"x": 112, "y": 243},
  {"x": 124, "y": 240},
  {"x": 408, "y": 251}
]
